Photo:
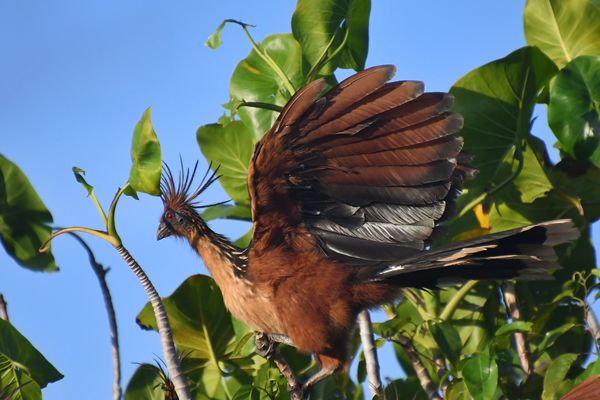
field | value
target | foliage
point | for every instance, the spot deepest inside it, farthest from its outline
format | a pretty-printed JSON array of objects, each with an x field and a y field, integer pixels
[{"x": 462, "y": 336}]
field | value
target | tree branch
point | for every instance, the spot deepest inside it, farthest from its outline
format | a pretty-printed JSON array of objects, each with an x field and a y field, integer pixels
[
  {"x": 294, "y": 386},
  {"x": 370, "y": 352},
  {"x": 426, "y": 383},
  {"x": 3, "y": 310},
  {"x": 164, "y": 328},
  {"x": 512, "y": 304},
  {"x": 591, "y": 322},
  {"x": 100, "y": 272}
]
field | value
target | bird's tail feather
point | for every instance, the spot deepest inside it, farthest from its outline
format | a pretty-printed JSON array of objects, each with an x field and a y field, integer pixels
[{"x": 522, "y": 253}]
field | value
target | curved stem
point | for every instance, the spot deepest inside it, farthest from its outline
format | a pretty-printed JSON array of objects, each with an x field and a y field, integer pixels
[
  {"x": 266, "y": 58},
  {"x": 370, "y": 352},
  {"x": 164, "y": 328},
  {"x": 456, "y": 299},
  {"x": 102, "y": 235},
  {"x": 110, "y": 226},
  {"x": 110, "y": 310}
]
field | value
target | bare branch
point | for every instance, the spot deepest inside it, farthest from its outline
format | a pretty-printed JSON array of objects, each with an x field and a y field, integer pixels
[
  {"x": 592, "y": 324},
  {"x": 426, "y": 383},
  {"x": 370, "y": 352},
  {"x": 164, "y": 327},
  {"x": 3, "y": 310},
  {"x": 510, "y": 299},
  {"x": 100, "y": 272},
  {"x": 442, "y": 370}
]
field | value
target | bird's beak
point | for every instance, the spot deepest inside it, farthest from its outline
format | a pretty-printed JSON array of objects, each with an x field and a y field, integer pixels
[{"x": 163, "y": 231}]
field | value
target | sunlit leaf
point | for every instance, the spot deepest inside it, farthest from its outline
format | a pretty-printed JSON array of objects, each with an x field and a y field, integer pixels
[
  {"x": 199, "y": 321},
  {"x": 574, "y": 108},
  {"x": 79, "y": 173},
  {"x": 145, "y": 384},
  {"x": 496, "y": 101},
  {"x": 316, "y": 22},
  {"x": 230, "y": 149},
  {"x": 22, "y": 355},
  {"x": 563, "y": 29},
  {"x": 15, "y": 383},
  {"x": 480, "y": 375},
  {"x": 214, "y": 40},
  {"x": 24, "y": 219},
  {"x": 146, "y": 158},
  {"x": 255, "y": 80},
  {"x": 555, "y": 376},
  {"x": 237, "y": 211},
  {"x": 515, "y": 326}
]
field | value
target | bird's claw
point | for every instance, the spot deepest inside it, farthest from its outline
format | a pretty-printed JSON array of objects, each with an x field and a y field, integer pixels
[{"x": 264, "y": 347}]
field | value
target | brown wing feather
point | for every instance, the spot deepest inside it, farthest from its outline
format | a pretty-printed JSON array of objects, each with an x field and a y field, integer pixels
[{"x": 369, "y": 168}]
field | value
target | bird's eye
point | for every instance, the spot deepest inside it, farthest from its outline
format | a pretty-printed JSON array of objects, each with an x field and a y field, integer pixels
[{"x": 169, "y": 215}]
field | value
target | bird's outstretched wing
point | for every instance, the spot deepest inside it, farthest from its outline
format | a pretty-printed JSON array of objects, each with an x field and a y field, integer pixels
[{"x": 367, "y": 168}]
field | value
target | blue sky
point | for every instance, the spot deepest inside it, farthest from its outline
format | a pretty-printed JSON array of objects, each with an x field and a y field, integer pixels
[{"x": 74, "y": 79}]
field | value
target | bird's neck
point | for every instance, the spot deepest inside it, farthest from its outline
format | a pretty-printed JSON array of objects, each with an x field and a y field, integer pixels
[{"x": 223, "y": 259}]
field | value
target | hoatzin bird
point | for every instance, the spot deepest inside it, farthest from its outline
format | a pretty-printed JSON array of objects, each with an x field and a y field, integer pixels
[{"x": 346, "y": 189}]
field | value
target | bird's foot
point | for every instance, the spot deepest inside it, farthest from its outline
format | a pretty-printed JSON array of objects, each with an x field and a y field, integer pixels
[
  {"x": 264, "y": 346},
  {"x": 298, "y": 393}
]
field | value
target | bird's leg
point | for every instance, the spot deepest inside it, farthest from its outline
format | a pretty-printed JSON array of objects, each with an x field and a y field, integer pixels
[
  {"x": 279, "y": 338},
  {"x": 265, "y": 347},
  {"x": 318, "y": 377}
]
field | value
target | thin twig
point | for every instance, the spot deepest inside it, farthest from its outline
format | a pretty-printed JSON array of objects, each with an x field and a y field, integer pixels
[
  {"x": 294, "y": 386},
  {"x": 100, "y": 272},
  {"x": 512, "y": 304},
  {"x": 591, "y": 322},
  {"x": 164, "y": 328},
  {"x": 3, "y": 309},
  {"x": 426, "y": 383},
  {"x": 370, "y": 352}
]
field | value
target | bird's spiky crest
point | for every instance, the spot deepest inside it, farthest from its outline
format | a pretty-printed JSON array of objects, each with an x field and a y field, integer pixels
[{"x": 177, "y": 194}]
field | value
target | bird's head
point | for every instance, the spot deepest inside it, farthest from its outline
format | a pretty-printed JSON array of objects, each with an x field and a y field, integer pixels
[{"x": 180, "y": 216}]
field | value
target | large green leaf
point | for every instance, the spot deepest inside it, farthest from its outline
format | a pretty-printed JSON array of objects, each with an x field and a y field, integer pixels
[
  {"x": 22, "y": 355},
  {"x": 448, "y": 340},
  {"x": 321, "y": 26},
  {"x": 230, "y": 149},
  {"x": 146, "y": 157},
  {"x": 24, "y": 219},
  {"x": 200, "y": 322},
  {"x": 254, "y": 80},
  {"x": 563, "y": 29},
  {"x": 496, "y": 101},
  {"x": 145, "y": 384},
  {"x": 480, "y": 374},
  {"x": 574, "y": 108},
  {"x": 238, "y": 211},
  {"x": 555, "y": 376},
  {"x": 16, "y": 384}
]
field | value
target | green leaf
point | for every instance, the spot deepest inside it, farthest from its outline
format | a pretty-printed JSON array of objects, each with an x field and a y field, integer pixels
[
  {"x": 22, "y": 355},
  {"x": 496, "y": 101},
  {"x": 515, "y": 326},
  {"x": 145, "y": 384},
  {"x": 480, "y": 374},
  {"x": 447, "y": 339},
  {"x": 237, "y": 211},
  {"x": 146, "y": 158},
  {"x": 556, "y": 374},
  {"x": 79, "y": 173},
  {"x": 408, "y": 388},
  {"x": 255, "y": 80},
  {"x": 563, "y": 29},
  {"x": 200, "y": 322},
  {"x": 316, "y": 22},
  {"x": 574, "y": 108},
  {"x": 230, "y": 148},
  {"x": 24, "y": 219},
  {"x": 550, "y": 337},
  {"x": 214, "y": 41},
  {"x": 15, "y": 383},
  {"x": 244, "y": 240}
]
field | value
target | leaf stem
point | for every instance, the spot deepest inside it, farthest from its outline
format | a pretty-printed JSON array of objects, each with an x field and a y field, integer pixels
[
  {"x": 259, "y": 104},
  {"x": 452, "y": 305},
  {"x": 164, "y": 328},
  {"x": 98, "y": 206},
  {"x": 266, "y": 58},
  {"x": 323, "y": 59},
  {"x": 110, "y": 226},
  {"x": 102, "y": 235}
]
